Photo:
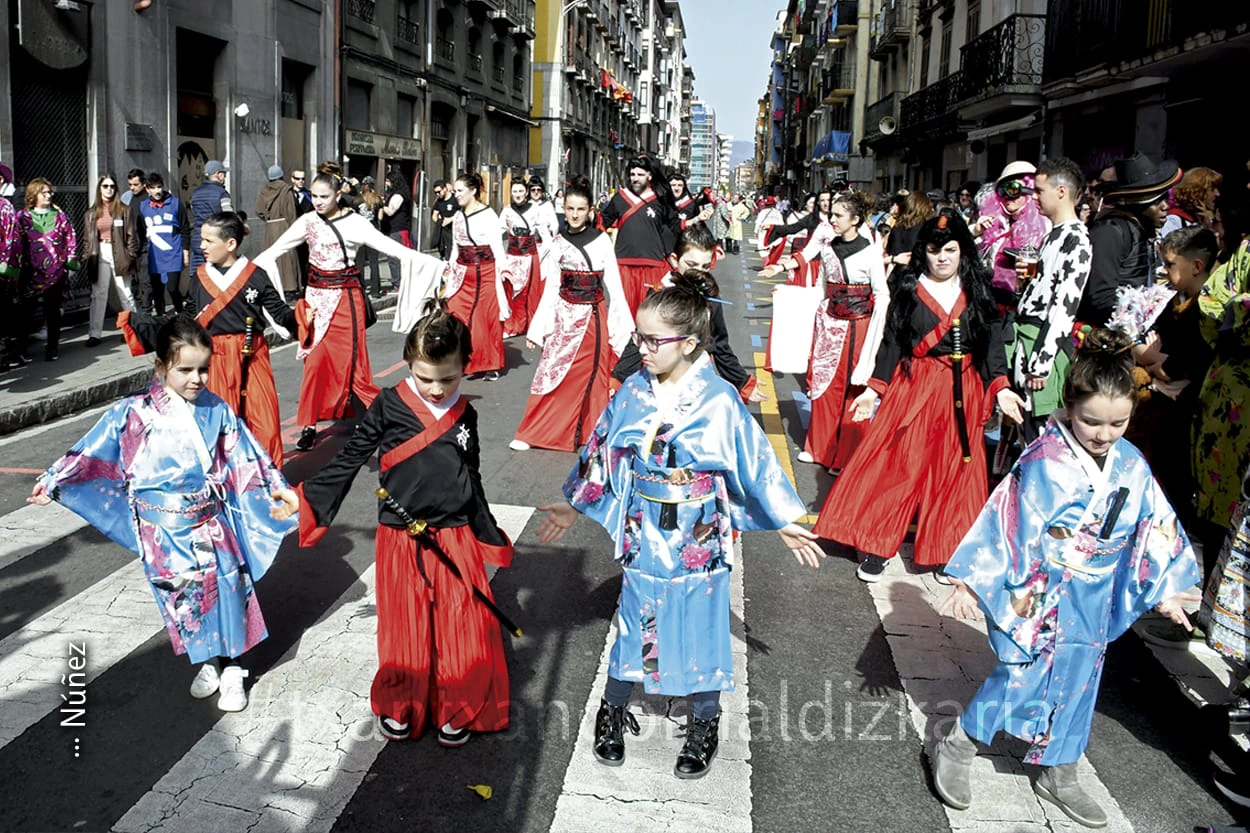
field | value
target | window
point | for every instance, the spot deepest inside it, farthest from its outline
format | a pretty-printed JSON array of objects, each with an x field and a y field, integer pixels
[
  {"x": 944, "y": 59},
  {"x": 973, "y": 26},
  {"x": 406, "y": 115},
  {"x": 924, "y": 61},
  {"x": 294, "y": 76},
  {"x": 359, "y": 96}
]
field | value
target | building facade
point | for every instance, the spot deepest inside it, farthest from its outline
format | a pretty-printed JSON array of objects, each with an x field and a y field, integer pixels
[{"x": 704, "y": 149}]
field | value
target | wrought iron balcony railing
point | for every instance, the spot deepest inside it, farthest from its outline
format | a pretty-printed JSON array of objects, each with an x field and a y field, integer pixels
[
  {"x": 408, "y": 31},
  {"x": 446, "y": 49},
  {"x": 1009, "y": 55},
  {"x": 933, "y": 109},
  {"x": 363, "y": 9},
  {"x": 475, "y": 65},
  {"x": 891, "y": 29}
]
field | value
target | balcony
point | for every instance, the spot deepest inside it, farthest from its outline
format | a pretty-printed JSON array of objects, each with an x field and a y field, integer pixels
[
  {"x": 891, "y": 29},
  {"x": 1002, "y": 67},
  {"x": 848, "y": 17},
  {"x": 445, "y": 50},
  {"x": 518, "y": 13},
  {"x": 886, "y": 108},
  {"x": 475, "y": 66},
  {"x": 1085, "y": 35},
  {"x": 362, "y": 9},
  {"x": 931, "y": 114},
  {"x": 838, "y": 83},
  {"x": 407, "y": 31}
]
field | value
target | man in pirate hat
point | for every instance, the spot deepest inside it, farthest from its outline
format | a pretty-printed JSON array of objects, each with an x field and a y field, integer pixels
[{"x": 1123, "y": 234}]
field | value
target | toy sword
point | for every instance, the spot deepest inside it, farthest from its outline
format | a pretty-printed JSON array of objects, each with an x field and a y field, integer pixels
[
  {"x": 420, "y": 529},
  {"x": 244, "y": 365}
]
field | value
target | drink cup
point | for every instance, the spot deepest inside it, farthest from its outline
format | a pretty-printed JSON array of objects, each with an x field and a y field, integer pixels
[{"x": 1027, "y": 260}]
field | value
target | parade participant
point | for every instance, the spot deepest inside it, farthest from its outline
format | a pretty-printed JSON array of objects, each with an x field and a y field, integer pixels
[
  {"x": 769, "y": 216},
  {"x": 967, "y": 206},
  {"x": 676, "y": 464},
  {"x": 1068, "y": 552},
  {"x": 738, "y": 212},
  {"x": 1193, "y": 201},
  {"x": 110, "y": 249},
  {"x": 848, "y": 330},
  {"x": 582, "y": 326},
  {"x": 174, "y": 476},
  {"x": 646, "y": 222},
  {"x": 940, "y": 369},
  {"x": 440, "y": 652},
  {"x": 1123, "y": 233},
  {"x": 794, "y": 231},
  {"x": 168, "y": 235},
  {"x": 910, "y": 211},
  {"x": 477, "y": 288},
  {"x": 336, "y": 355},
  {"x": 696, "y": 250},
  {"x": 49, "y": 246},
  {"x": 543, "y": 219},
  {"x": 11, "y": 320},
  {"x": 1009, "y": 219},
  {"x": 1046, "y": 315},
  {"x": 226, "y": 291},
  {"x": 524, "y": 254}
]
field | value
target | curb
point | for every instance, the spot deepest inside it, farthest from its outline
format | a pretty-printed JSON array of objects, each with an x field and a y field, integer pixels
[{"x": 66, "y": 402}]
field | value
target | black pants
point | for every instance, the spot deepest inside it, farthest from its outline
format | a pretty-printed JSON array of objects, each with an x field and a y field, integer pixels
[
  {"x": 393, "y": 262},
  {"x": 704, "y": 704},
  {"x": 366, "y": 257},
  {"x": 45, "y": 306},
  {"x": 158, "y": 287}
]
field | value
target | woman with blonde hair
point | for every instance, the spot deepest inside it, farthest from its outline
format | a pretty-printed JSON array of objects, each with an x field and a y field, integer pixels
[
  {"x": 1193, "y": 201},
  {"x": 110, "y": 251}
]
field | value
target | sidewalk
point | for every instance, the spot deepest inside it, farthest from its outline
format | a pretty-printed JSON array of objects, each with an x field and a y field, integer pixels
[{"x": 83, "y": 377}]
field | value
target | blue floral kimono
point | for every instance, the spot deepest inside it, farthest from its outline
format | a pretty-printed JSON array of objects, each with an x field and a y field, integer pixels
[
  {"x": 670, "y": 484},
  {"x": 187, "y": 487},
  {"x": 1063, "y": 559}
]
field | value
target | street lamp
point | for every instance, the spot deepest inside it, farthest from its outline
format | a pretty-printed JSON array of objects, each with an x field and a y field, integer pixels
[{"x": 556, "y": 100}]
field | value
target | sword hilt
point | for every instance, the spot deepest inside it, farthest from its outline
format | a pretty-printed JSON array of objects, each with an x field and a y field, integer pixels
[
  {"x": 248, "y": 330},
  {"x": 957, "y": 337},
  {"x": 414, "y": 526}
]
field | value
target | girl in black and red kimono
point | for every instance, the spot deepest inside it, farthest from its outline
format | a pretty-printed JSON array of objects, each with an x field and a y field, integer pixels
[
  {"x": 225, "y": 291},
  {"x": 440, "y": 651},
  {"x": 940, "y": 369}
]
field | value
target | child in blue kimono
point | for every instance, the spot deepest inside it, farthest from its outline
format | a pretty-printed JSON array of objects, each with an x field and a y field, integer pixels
[
  {"x": 1072, "y": 547},
  {"x": 173, "y": 475},
  {"x": 675, "y": 464}
]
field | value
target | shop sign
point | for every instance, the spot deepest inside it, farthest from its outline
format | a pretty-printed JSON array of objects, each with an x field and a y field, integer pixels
[{"x": 363, "y": 143}]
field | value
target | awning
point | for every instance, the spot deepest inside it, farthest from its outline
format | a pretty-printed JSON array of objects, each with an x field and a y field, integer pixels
[
  {"x": 1006, "y": 127},
  {"x": 822, "y": 149},
  {"x": 834, "y": 146}
]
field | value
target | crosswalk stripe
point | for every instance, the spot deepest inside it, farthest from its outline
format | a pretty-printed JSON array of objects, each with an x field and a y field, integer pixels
[
  {"x": 643, "y": 793},
  {"x": 31, "y": 528}
]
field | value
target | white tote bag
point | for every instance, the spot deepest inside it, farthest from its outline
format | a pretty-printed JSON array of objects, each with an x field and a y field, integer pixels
[{"x": 794, "y": 319}]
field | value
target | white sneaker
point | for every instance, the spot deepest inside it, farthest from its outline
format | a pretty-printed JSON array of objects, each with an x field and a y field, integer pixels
[
  {"x": 519, "y": 445},
  {"x": 233, "y": 698},
  {"x": 806, "y": 457},
  {"x": 207, "y": 681}
]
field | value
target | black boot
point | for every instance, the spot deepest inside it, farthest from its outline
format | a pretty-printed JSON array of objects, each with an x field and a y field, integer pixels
[
  {"x": 610, "y": 725},
  {"x": 307, "y": 438},
  {"x": 702, "y": 740}
]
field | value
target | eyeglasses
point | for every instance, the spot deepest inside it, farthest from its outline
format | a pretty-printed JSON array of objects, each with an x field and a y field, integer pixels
[
  {"x": 653, "y": 343},
  {"x": 1012, "y": 188},
  {"x": 298, "y": 178},
  {"x": 109, "y": 185}
]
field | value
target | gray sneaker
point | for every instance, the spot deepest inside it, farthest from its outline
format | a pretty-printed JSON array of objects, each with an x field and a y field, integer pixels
[
  {"x": 952, "y": 765},
  {"x": 1060, "y": 786}
]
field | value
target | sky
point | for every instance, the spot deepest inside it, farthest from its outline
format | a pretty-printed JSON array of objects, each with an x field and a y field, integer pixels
[{"x": 729, "y": 46}]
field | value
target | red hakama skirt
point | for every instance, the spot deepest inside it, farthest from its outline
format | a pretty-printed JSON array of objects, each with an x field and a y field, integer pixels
[
  {"x": 639, "y": 277},
  {"x": 225, "y": 375},
  {"x": 524, "y": 303},
  {"x": 440, "y": 651},
  {"x": 831, "y": 435},
  {"x": 910, "y": 464},
  {"x": 338, "y": 365},
  {"x": 563, "y": 419},
  {"x": 477, "y": 306}
]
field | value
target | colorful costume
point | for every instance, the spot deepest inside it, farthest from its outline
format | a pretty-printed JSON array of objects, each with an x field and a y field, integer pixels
[
  {"x": 440, "y": 652},
  {"x": 912, "y": 456},
  {"x": 476, "y": 291},
  {"x": 583, "y": 325},
  {"x": 1064, "y": 557},
  {"x": 670, "y": 481},
  {"x": 530, "y": 230},
  {"x": 645, "y": 229},
  {"x": 49, "y": 246},
  {"x": 187, "y": 487}
]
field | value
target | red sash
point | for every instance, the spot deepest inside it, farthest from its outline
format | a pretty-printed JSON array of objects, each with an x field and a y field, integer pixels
[
  {"x": 634, "y": 207},
  {"x": 221, "y": 297},
  {"x": 945, "y": 319},
  {"x": 434, "y": 428}
]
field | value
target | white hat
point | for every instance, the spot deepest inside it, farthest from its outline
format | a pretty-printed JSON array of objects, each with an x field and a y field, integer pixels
[{"x": 1017, "y": 168}]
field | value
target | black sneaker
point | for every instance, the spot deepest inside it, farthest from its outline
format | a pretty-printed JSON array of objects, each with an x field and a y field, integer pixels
[
  {"x": 307, "y": 438},
  {"x": 871, "y": 568},
  {"x": 702, "y": 741},
  {"x": 392, "y": 729},
  {"x": 452, "y": 738},
  {"x": 492, "y": 376},
  {"x": 610, "y": 725},
  {"x": 51, "y": 355},
  {"x": 94, "y": 341}
]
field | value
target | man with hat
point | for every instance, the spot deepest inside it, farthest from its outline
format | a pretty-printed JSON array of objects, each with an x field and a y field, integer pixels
[
  {"x": 208, "y": 199},
  {"x": 1122, "y": 235},
  {"x": 275, "y": 204}
]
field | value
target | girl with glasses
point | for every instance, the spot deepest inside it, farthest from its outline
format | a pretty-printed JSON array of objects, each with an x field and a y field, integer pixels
[
  {"x": 110, "y": 252},
  {"x": 582, "y": 325},
  {"x": 49, "y": 246},
  {"x": 675, "y": 464}
]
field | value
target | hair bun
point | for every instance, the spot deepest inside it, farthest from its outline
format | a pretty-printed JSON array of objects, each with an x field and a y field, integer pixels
[
  {"x": 1106, "y": 342},
  {"x": 698, "y": 282}
]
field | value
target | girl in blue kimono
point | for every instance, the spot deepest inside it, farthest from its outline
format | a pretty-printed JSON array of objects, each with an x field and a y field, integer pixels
[
  {"x": 675, "y": 464},
  {"x": 173, "y": 475},
  {"x": 1075, "y": 544}
]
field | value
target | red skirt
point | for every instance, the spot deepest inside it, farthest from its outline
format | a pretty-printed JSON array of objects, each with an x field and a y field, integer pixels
[
  {"x": 831, "y": 435},
  {"x": 477, "y": 306},
  {"x": 225, "y": 374},
  {"x": 338, "y": 366},
  {"x": 910, "y": 465},
  {"x": 440, "y": 651},
  {"x": 524, "y": 304},
  {"x": 639, "y": 277},
  {"x": 563, "y": 419}
]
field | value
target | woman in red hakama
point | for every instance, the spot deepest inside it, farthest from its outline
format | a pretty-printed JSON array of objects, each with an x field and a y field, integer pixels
[
  {"x": 924, "y": 452},
  {"x": 523, "y": 223},
  {"x": 476, "y": 291},
  {"x": 582, "y": 324}
]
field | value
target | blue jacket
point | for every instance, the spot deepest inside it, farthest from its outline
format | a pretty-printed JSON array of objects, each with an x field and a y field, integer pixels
[
  {"x": 207, "y": 200},
  {"x": 167, "y": 233}
]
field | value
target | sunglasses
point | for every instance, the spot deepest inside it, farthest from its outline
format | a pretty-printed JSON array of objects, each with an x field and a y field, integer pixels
[
  {"x": 1012, "y": 188},
  {"x": 653, "y": 343},
  {"x": 108, "y": 185}
]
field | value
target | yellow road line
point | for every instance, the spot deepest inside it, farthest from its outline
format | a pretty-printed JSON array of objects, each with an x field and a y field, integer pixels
[{"x": 770, "y": 414}]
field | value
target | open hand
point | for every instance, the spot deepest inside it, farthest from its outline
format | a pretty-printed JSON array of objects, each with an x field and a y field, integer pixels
[
  {"x": 862, "y": 406},
  {"x": 771, "y": 271},
  {"x": 285, "y": 504},
  {"x": 757, "y": 395},
  {"x": 560, "y": 516},
  {"x": 802, "y": 542},
  {"x": 1173, "y": 608},
  {"x": 38, "y": 495},
  {"x": 962, "y": 604},
  {"x": 1012, "y": 405}
]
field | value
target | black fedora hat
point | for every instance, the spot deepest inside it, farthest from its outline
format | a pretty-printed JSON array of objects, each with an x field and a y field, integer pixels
[{"x": 1141, "y": 181}]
